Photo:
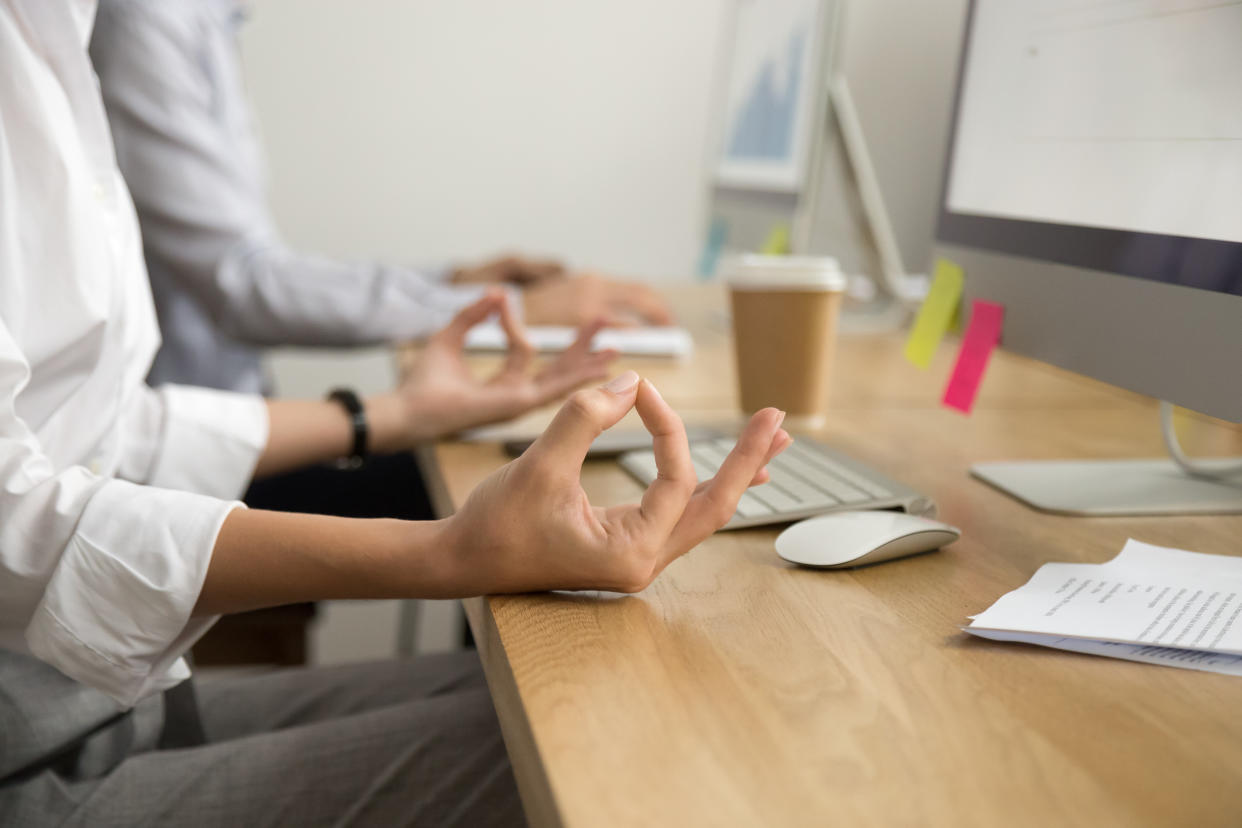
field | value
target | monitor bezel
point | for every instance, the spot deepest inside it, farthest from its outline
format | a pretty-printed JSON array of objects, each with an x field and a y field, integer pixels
[{"x": 1198, "y": 263}]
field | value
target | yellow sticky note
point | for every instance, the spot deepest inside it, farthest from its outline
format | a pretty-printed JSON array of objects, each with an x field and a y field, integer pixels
[
  {"x": 938, "y": 314},
  {"x": 777, "y": 242},
  {"x": 955, "y": 324}
]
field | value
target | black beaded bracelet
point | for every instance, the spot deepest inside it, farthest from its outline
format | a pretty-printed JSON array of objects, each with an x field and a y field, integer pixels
[{"x": 357, "y": 419}]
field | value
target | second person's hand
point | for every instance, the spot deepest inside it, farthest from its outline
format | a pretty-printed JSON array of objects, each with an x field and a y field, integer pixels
[
  {"x": 440, "y": 395},
  {"x": 587, "y": 297},
  {"x": 515, "y": 270}
]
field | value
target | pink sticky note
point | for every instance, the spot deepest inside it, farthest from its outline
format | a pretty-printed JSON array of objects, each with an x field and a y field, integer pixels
[{"x": 983, "y": 334}]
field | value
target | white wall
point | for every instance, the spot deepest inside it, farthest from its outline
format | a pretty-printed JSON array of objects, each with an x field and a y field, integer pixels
[
  {"x": 900, "y": 59},
  {"x": 426, "y": 130},
  {"x": 420, "y": 131}
]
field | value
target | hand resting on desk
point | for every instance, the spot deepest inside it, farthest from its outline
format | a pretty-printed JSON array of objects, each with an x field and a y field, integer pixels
[
  {"x": 529, "y": 526},
  {"x": 554, "y": 296},
  {"x": 588, "y": 296},
  {"x": 514, "y": 270}
]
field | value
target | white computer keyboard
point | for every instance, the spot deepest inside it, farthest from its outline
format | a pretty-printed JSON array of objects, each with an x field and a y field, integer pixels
[
  {"x": 641, "y": 341},
  {"x": 807, "y": 479}
]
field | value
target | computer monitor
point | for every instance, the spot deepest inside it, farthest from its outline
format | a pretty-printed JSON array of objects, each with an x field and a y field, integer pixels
[{"x": 1094, "y": 188}]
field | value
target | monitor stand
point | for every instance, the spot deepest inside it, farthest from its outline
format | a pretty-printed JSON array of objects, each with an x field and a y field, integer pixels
[
  {"x": 1115, "y": 487},
  {"x": 1180, "y": 486}
]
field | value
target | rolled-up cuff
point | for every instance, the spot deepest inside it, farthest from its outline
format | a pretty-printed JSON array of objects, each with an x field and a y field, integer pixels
[
  {"x": 116, "y": 614},
  {"x": 212, "y": 440}
]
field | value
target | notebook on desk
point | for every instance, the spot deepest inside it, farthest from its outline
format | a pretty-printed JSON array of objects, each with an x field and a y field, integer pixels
[{"x": 642, "y": 341}]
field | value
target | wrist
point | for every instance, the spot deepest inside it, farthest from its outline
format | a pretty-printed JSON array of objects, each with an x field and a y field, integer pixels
[
  {"x": 391, "y": 423},
  {"x": 430, "y": 562}
]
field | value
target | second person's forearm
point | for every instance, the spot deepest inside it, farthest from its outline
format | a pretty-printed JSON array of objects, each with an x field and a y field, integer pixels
[{"x": 305, "y": 432}]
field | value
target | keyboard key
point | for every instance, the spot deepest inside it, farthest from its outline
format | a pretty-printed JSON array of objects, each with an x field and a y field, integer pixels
[
  {"x": 832, "y": 467},
  {"x": 772, "y": 495},
  {"x": 749, "y": 507},
  {"x": 803, "y": 479},
  {"x": 868, "y": 485},
  {"x": 710, "y": 453},
  {"x": 808, "y": 496},
  {"x": 643, "y": 465},
  {"x": 819, "y": 478}
]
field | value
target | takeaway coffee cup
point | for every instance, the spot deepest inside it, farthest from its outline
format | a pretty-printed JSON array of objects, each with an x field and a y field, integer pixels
[{"x": 785, "y": 312}]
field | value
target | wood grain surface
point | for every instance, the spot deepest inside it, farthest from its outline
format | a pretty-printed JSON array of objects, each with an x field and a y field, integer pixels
[{"x": 740, "y": 690}]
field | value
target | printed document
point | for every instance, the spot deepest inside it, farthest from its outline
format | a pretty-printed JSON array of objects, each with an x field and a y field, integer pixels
[{"x": 1152, "y": 604}]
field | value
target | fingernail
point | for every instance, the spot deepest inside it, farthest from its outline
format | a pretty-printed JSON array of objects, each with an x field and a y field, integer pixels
[{"x": 622, "y": 382}]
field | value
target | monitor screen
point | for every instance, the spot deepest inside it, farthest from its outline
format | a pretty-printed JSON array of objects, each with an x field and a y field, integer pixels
[{"x": 1105, "y": 136}]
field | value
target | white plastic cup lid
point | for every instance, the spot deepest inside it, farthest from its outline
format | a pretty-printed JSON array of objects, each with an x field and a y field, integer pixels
[{"x": 756, "y": 272}]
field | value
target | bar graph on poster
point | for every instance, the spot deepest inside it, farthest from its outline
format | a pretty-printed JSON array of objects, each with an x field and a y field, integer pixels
[{"x": 771, "y": 94}]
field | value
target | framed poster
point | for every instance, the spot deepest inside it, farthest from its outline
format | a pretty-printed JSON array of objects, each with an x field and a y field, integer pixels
[{"x": 773, "y": 94}]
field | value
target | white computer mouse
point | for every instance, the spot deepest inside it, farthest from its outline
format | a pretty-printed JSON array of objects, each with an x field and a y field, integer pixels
[{"x": 846, "y": 539}]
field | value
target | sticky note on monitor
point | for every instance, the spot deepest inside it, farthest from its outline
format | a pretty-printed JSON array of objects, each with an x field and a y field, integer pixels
[
  {"x": 777, "y": 242},
  {"x": 982, "y": 336},
  {"x": 937, "y": 315}
]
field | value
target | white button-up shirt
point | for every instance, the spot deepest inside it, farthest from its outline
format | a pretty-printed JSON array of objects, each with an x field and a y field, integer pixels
[
  {"x": 111, "y": 494},
  {"x": 225, "y": 284}
]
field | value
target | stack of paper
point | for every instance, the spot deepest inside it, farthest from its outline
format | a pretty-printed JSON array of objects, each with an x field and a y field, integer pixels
[
  {"x": 1163, "y": 606},
  {"x": 648, "y": 341}
]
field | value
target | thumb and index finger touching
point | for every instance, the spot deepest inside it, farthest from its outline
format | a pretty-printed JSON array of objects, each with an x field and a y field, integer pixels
[
  {"x": 674, "y": 506},
  {"x": 714, "y": 502},
  {"x": 454, "y": 333},
  {"x": 583, "y": 417}
]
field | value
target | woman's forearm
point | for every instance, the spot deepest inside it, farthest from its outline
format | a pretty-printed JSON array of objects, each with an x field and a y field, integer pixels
[
  {"x": 527, "y": 526},
  {"x": 304, "y": 432},
  {"x": 264, "y": 559}
]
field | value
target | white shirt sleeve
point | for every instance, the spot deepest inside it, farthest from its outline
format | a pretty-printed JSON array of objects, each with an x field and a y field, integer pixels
[
  {"x": 106, "y": 571},
  {"x": 170, "y": 80},
  {"x": 98, "y": 575},
  {"x": 193, "y": 439},
  {"x": 115, "y": 609}
]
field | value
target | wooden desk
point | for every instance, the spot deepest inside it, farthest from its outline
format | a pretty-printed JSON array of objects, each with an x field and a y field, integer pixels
[{"x": 739, "y": 690}]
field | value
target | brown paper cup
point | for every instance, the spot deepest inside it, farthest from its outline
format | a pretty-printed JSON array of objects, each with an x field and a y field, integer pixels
[{"x": 784, "y": 332}]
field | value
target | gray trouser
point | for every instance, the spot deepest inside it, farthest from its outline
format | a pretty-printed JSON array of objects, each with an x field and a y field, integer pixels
[{"x": 387, "y": 743}]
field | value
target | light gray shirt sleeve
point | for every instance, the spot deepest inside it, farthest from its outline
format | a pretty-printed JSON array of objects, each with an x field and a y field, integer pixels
[{"x": 170, "y": 78}]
